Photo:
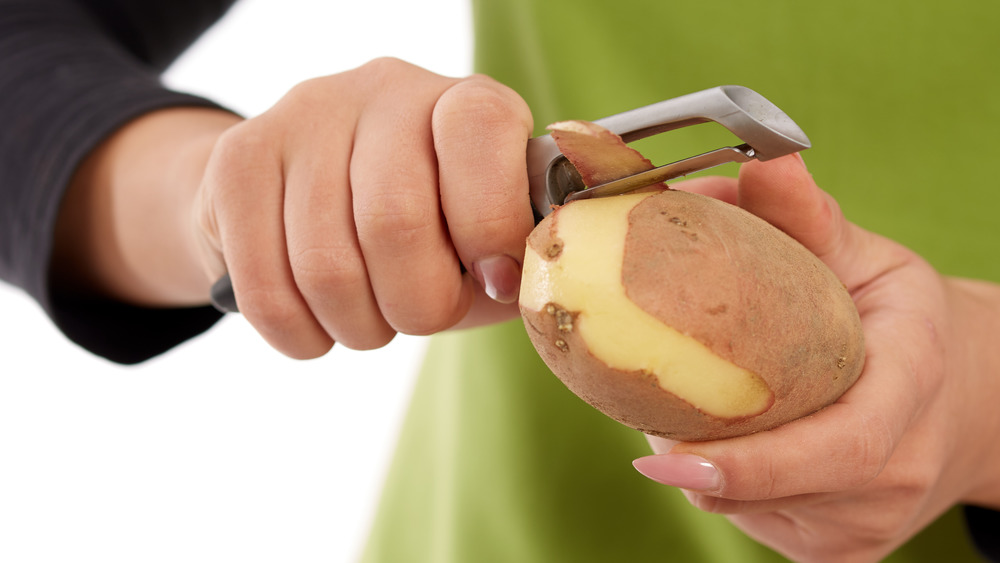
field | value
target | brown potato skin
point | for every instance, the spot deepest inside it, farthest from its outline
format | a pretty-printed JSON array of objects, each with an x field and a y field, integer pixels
[{"x": 746, "y": 290}]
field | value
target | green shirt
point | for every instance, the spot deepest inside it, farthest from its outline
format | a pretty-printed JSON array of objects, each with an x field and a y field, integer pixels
[{"x": 497, "y": 460}]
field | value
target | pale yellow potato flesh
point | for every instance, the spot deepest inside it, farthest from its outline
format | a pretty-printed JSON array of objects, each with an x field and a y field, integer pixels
[{"x": 586, "y": 278}]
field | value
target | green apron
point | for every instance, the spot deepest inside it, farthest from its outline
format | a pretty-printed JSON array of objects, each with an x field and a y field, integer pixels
[{"x": 497, "y": 461}]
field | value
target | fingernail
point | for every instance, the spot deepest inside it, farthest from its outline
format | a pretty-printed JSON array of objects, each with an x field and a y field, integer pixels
[
  {"x": 500, "y": 277},
  {"x": 802, "y": 161},
  {"x": 680, "y": 470}
]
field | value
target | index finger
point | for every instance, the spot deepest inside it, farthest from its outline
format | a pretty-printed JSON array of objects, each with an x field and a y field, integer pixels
[{"x": 481, "y": 130}]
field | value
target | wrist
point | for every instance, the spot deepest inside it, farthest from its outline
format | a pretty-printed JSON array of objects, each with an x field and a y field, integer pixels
[
  {"x": 976, "y": 308},
  {"x": 124, "y": 230}
]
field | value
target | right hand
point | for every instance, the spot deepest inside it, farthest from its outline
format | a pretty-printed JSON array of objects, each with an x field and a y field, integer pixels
[{"x": 347, "y": 211}]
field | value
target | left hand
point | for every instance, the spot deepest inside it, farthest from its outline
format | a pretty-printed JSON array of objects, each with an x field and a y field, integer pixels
[{"x": 914, "y": 436}]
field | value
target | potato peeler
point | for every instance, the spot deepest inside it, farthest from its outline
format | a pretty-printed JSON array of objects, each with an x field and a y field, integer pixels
[{"x": 767, "y": 133}]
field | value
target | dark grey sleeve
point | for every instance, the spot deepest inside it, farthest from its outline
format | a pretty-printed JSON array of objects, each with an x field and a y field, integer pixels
[{"x": 71, "y": 73}]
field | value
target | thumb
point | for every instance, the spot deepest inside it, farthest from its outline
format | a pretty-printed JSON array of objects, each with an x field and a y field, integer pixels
[{"x": 783, "y": 193}]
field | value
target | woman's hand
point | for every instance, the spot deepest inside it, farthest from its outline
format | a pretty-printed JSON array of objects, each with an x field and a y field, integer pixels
[
  {"x": 381, "y": 200},
  {"x": 914, "y": 436},
  {"x": 346, "y": 212}
]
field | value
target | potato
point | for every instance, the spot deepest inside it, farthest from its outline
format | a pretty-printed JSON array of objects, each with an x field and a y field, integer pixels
[{"x": 686, "y": 317}]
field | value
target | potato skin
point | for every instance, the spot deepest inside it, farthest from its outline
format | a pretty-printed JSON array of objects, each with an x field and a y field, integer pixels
[{"x": 750, "y": 293}]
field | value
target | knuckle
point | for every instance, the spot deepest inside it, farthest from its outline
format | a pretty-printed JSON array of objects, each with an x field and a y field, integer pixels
[
  {"x": 350, "y": 88},
  {"x": 368, "y": 341},
  {"x": 384, "y": 65},
  {"x": 482, "y": 100},
  {"x": 241, "y": 149},
  {"x": 336, "y": 283},
  {"x": 241, "y": 142},
  {"x": 908, "y": 483},
  {"x": 757, "y": 478},
  {"x": 270, "y": 310},
  {"x": 280, "y": 320},
  {"x": 307, "y": 93},
  {"x": 499, "y": 219},
  {"x": 928, "y": 369},
  {"x": 871, "y": 532},
  {"x": 427, "y": 314},
  {"x": 324, "y": 271},
  {"x": 771, "y": 478},
  {"x": 395, "y": 218},
  {"x": 485, "y": 100},
  {"x": 426, "y": 324},
  {"x": 869, "y": 452},
  {"x": 380, "y": 72}
]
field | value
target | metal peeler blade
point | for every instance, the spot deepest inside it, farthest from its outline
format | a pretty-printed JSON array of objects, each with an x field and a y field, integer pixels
[{"x": 767, "y": 133}]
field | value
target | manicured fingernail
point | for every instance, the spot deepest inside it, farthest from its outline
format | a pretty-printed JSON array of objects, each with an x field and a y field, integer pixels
[
  {"x": 500, "y": 277},
  {"x": 680, "y": 470}
]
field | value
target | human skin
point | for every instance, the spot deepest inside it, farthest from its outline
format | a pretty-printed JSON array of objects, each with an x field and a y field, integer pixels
[
  {"x": 913, "y": 437},
  {"x": 339, "y": 222},
  {"x": 350, "y": 221}
]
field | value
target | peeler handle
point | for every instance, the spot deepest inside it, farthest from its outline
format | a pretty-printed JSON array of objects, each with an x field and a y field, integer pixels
[{"x": 222, "y": 295}]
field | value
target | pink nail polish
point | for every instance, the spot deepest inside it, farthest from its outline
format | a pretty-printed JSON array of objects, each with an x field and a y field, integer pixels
[
  {"x": 685, "y": 471},
  {"x": 500, "y": 277}
]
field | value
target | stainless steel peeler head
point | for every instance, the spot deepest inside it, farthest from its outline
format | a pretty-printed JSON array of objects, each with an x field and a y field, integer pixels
[{"x": 767, "y": 133}]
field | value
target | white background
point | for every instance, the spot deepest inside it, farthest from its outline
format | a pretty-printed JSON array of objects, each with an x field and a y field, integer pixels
[{"x": 222, "y": 450}]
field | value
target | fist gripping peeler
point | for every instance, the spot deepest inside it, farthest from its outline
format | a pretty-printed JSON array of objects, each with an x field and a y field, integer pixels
[{"x": 766, "y": 132}]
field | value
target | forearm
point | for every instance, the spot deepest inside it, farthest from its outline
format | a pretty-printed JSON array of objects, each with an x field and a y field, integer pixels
[
  {"x": 75, "y": 73},
  {"x": 126, "y": 230}
]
